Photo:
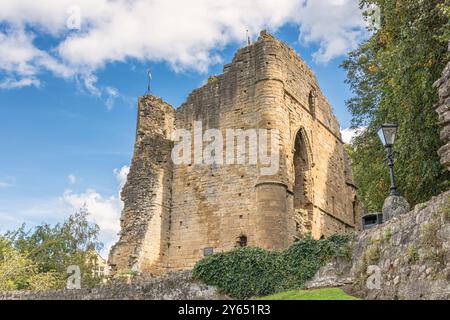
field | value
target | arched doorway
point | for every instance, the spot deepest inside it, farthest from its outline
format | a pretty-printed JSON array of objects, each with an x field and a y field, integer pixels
[{"x": 303, "y": 207}]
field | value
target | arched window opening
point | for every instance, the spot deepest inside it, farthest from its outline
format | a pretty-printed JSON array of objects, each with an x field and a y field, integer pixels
[
  {"x": 303, "y": 208},
  {"x": 242, "y": 242},
  {"x": 354, "y": 210}
]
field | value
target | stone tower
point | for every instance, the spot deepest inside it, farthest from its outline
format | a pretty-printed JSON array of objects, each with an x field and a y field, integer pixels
[{"x": 174, "y": 215}]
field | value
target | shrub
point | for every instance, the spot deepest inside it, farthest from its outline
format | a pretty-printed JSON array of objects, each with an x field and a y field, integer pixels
[
  {"x": 18, "y": 272},
  {"x": 125, "y": 273},
  {"x": 50, "y": 249},
  {"x": 429, "y": 235},
  {"x": 387, "y": 234},
  {"x": 372, "y": 254},
  {"x": 413, "y": 254},
  {"x": 248, "y": 272}
]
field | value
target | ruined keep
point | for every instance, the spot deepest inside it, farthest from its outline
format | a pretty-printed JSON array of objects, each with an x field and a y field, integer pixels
[{"x": 174, "y": 215}]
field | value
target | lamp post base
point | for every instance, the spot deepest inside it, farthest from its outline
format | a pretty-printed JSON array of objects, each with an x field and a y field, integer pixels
[{"x": 394, "y": 206}]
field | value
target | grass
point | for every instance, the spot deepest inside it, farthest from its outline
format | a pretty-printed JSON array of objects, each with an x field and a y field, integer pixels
[
  {"x": 316, "y": 294},
  {"x": 446, "y": 211},
  {"x": 413, "y": 254},
  {"x": 429, "y": 234},
  {"x": 372, "y": 254}
]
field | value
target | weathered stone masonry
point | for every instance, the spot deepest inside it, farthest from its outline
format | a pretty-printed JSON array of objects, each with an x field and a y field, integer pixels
[
  {"x": 171, "y": 286},
  {"x": 443, "y": 111},
  {"x": 173, "y": 215},
  {"x": 410, "y": 255},
  {"x": 147, "y": 193}
]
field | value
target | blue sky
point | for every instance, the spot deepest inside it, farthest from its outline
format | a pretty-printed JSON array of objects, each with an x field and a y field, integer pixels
[{"x": 67, "y": 124}]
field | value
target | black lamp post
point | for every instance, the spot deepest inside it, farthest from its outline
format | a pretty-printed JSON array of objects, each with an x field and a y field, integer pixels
[{"x": 387, "y": 133}]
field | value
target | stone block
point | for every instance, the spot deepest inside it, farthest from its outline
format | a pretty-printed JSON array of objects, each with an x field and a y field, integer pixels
[{"x": 394, "y": 206}]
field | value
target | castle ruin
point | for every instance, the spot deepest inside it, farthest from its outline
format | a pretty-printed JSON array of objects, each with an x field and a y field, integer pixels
[{"x": 174, "y": 215}]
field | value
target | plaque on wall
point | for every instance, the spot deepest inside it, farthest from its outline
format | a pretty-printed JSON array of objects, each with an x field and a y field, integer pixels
[{"x": 208, "y": 251}]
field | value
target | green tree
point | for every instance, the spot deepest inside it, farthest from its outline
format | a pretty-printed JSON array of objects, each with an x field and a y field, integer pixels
[
  {"x": 392, "y": 75},
  {"x": 51, "y": 249},
  {"x": 18, "y": 272}
]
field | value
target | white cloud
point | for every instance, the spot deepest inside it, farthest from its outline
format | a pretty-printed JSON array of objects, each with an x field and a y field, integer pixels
[
  {"x": 89, "y": 81},
  {"x": 10, "y": 221},
  {"x": 336, "y": 25},
  {"x": 72, "y": 179},
  {"x": 11, "y": 83},
  {"x": 112, "y": 94},
  {"x": 121, "y": 175},
  {"x": 186, "y": 34},
  {"x": 105, "y": 211},
  {"x": 4, "y": 184},
  {"x": 7, "y": 182},
  {"x": 44, "y": 210},
  {"x": 21, "y": 61},
  {"x": 349, "y": 134}
]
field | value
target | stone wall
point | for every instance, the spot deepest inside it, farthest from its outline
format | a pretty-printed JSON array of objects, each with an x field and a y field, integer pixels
[
  {"x": 411, "y": 253},
  {"x": 147, "y": 192},
  {"x": 175, "y": 213},
  {"x": 173, "y": 286},
  {"x": 443, "y": 111}
]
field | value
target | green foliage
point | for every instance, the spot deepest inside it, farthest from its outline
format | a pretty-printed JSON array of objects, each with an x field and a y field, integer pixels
[
  {"x": 435, "y": 253},
  {"x": 247, "y": 272},
  {"x": 387, "y": 234},
  {"x": 444, "y": 9},
  {"x": 18, "y": 272},
  {"x": 48, "y": 250},
  {"x": 436, "y": 256},
  {"x": 361, "y": 273},
  {"x": 445, "y": 211},
  {"x": 125, "y": 273},
  {"x": 422, "y": 206},
  {"x": 392, "y": 75},
  {"x": 316, "y": 294},
  {"x": 412, "y": 254},
  {"x": 429, "y": 235},
  {"x": 372, "y": 254}
]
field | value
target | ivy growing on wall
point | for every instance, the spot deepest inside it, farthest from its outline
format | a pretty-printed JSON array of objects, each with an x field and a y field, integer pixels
[{"x": 250, "y": 272}]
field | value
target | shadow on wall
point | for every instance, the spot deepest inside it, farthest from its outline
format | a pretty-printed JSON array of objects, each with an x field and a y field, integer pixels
[
  {"x": 342, "y": 213},
  {"x": 303, "y": 185}
]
